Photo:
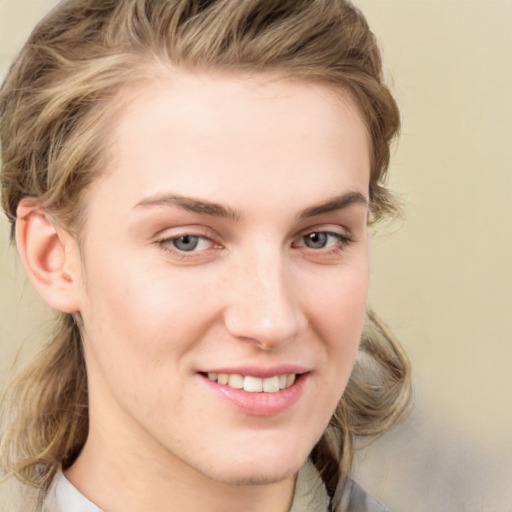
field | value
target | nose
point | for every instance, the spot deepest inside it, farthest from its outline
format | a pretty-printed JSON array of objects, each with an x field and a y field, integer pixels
[{"x": 263, "y": 306}]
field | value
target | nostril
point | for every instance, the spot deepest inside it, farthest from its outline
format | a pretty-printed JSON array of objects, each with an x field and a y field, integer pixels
[{"x": 267, "y": 332}]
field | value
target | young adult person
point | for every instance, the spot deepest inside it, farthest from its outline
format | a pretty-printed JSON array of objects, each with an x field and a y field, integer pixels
[{"x": 190, "y": 185}]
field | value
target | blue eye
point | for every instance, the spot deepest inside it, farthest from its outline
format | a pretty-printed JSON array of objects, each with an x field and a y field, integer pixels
[
  {"x": 186, "y": 242},
  {"x": 321, "y": 239},
  {"x": 316, "y": 240}
]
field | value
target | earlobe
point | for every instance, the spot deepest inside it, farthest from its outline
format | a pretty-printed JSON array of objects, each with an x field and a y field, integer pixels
[{"x": 49, "y": 255}]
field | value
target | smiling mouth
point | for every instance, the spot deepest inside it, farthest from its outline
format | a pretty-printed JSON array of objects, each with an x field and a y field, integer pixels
[{"x": 253, "y": 384}]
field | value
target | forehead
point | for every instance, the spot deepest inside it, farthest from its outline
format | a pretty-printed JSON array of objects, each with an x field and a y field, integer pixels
[{"x": 204, "y": 133}]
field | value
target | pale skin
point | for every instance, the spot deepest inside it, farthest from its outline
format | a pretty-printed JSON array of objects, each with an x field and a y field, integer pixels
[{"x": 266, "y": 182}]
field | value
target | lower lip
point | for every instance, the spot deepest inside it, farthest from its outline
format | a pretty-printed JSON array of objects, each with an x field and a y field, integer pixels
[{"x": 260, "y": 404}]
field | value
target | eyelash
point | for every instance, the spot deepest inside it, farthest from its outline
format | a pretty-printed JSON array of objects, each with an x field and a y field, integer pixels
[
  {"x": 343, "y": 240},
  {"x": 167, "y": 244}
]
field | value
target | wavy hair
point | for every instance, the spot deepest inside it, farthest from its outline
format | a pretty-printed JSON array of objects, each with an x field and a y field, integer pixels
[{"x": 56, "y": 100}]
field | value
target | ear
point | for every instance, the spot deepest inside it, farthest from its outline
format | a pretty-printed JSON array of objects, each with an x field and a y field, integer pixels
[{"x": 50, "y": 256}]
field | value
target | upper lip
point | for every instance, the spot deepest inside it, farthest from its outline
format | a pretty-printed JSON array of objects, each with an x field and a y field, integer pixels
[{"x": 259, "y": 371}]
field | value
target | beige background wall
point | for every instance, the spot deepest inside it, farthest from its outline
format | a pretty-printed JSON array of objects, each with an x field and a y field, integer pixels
[{"x": 443, "y": 281}]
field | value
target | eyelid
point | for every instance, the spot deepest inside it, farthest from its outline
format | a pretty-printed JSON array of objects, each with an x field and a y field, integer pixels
[
  {"x": 184, "y": 230},
  {"x": 341, "y": 237},
  {"x": 164, "y": 238},
  {"x": 201, "y": 241},
  {"x": 330, "y": 254},
  {"x": 333, "y": 229}
]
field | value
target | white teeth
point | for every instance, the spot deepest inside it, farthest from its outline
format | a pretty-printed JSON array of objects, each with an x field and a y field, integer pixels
[
  {"x": 271, "y": 385},
  {"x": 236, "y": 381},
  {"x": 254, "y": 384}
]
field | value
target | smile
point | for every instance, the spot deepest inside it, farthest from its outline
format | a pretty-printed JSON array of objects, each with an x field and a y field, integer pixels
[{"x": 253, "y": 384}]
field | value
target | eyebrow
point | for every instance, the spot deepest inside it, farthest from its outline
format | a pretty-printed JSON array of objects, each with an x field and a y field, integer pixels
[
  {"x": 337, "y": 203},
  {"x": 205, "y": 207},
  {"x": 192, "y": 205}
]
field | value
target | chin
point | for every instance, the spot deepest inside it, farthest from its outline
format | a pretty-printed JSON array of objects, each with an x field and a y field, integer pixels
[
  {"x": 266, "y": 476},
  {"x": 258, "y": 469}
]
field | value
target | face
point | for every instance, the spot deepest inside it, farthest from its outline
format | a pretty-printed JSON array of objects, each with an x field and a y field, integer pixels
[{"x": 225, "y": 267}]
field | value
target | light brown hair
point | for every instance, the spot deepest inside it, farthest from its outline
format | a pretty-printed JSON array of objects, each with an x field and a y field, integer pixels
[{"x": 54, "y": 104}]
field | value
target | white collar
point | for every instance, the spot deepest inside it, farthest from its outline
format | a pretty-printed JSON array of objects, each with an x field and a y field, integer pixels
[{"x": 63, "y": 496}]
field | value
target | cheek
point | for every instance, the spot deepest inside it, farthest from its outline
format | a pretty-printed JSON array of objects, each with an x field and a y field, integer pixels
[
  {"x": 142, "y": 313},
  {"x": 138, "y": 331},
  {"x": 339, "y": 313},
  {"x": 340, "y": 300}
]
